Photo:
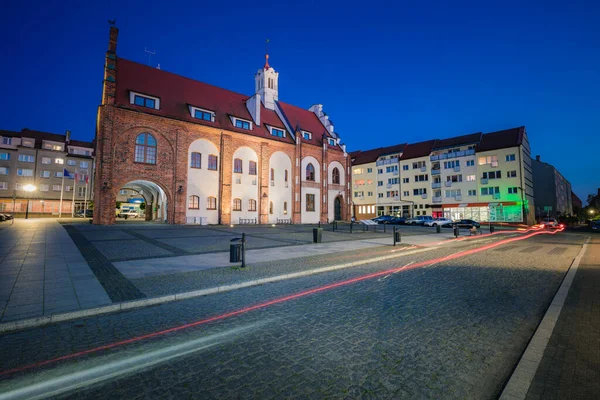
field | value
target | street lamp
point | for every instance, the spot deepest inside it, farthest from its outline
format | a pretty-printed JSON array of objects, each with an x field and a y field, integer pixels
[{"x": 28, "y": 188}]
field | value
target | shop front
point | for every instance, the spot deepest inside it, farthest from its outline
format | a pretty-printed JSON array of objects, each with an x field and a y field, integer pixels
[{"x": 508, "y": 211}]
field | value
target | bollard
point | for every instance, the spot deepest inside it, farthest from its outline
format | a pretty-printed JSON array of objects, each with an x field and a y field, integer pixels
[
  {"x": 351, "y": 223},
  {"x": 243, "y": 250},
  {"x": 319, "y": 224},
  {"x": 384, "y": 224},
  {"x": 317, "y": 235},
  {"x": 394, "y": 236},
  {"x": 491, "y": 229},
  {"x": 456, "y": 231},
  {"x": 438, "y": 228}
]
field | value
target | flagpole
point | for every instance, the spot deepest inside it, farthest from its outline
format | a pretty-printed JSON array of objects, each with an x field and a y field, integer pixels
[
  {"x": 62, "y": 189},
  {"x": 73, "y": 201}
]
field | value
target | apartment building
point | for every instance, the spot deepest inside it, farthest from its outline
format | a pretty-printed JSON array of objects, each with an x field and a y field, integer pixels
[
  {"x": 553, "y": 194},
  {"x": 36, "y": 161},
  {"x": 364, "y": 183},
  {"x": 480, "y": 176}
]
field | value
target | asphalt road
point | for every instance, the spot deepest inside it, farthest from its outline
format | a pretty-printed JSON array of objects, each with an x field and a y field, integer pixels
[{"x": 449, "y": 328}]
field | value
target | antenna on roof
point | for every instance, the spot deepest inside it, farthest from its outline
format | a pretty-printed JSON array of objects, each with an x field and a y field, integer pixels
[
  {"x": 267, "y": 54},
  {"x": 150, "y": 54}
]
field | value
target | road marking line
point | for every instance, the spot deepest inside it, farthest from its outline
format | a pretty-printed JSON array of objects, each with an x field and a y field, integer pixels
[{"x": 524, "y": 373}]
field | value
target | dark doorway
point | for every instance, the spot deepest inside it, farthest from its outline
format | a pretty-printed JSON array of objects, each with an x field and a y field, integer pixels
[{"x": 337, "y": 206}]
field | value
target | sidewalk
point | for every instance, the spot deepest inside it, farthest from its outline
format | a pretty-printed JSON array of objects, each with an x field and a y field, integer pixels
[{"x": 570, "y": 366}]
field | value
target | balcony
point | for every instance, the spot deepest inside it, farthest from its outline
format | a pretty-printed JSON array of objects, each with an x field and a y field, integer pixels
[
  {"x": 484, "y": 181},
  {"x": 424, "y": 168},
  {"x": 387, "y": 162},
  {"x": 448, "y": 183},
  {"x": 458, "y": 197},
  {"x": 435, "y": 171},
  {"x": 457, "y": 168},
  {"x": 496, "y": 196},
  {"x": 395, "y": 172},
  {"x": 436, "y": 199},
  {"x": 424, "y": 196},
  {"x": 436, "y": 185},
  {"x": 494, "y": 164},
  {"x": 389, "y": 186},
  {"x": 454, "y": 154}
]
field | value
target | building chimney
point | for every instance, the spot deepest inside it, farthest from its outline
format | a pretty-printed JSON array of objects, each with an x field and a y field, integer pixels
[
  {"x": 68, "y": 136},
  {"x": 537, "y": 158}
]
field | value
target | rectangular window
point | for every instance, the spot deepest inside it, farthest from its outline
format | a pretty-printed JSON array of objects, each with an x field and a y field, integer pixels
[
  {"x": 44, "y": 188},
  {"x": 26, "y": 158},
  {"x": 56, "y": 188},
  {"x": 370, "y": 194},
  {"x": 277, "y": 132},
  {"x": 3, "y": 170},
  {"x": 83, "y": 164},
  {"x": 492, "y": 175},
  {"x": 44, "y": 174},
  {"x": 453, "y": 193},
  {"x": 123, "y": 191},
  {"x": 512, "y": 190},
  {"x": 418, "y": 192},
  {"x": 80, "y": 191},
  {"x": 211, "y": 203},
  {"x": 405, "y": 180},
  {"x": 470, "y": 163},
  {"x": 488, "y": 160},
  {"x": 72, "y": 163},
  {"x": 470, "y": 178},
  {"x": 144, "y": 101},
  {"x": 511, "y": 174},
  {"x": 58, "y": 174},
  {"x": 310, "y": 202},
  {"x": 59, "y": 161},
  {"x": 4, "y": 156},
  {"x": 237, "y": 166},
  {"x": 380, "y": 170},
  {"x": 421, "y": 178},
  {"x": 418, "y": 164},
  {"x": 252, "y": 168},
  {"x": 510, "y": 157},
  {"x": 212, "y": 162},
  {"x": 490, "y": 191},
  {"x": 405, "y": 167},
  {"x": 3, "y": 186},
  {"x": 332, "y": 142},
  {"x": 379, "y": 183},
  {"x": 451, "y": 164},
  {"x": 203, "y": 115},
  {"x": 196, "y": 160},
  {"x": 306, "y": 135},
  {"x": 68, "y": 188},
  {"x": 242, "y": 124},
  {"x": 369, "y": 170},
  {"x": 24, "y": 172},
  {"x": 454, "y": 178},
  {"x": 357, "y": 171},
  {"x": 380, "y": 195},
  {"x": 405, "y": 193},
  {"x": 472, "y": 192},
  {"x": 7, "y": 140},
  {"x": 393, "y": 181}
]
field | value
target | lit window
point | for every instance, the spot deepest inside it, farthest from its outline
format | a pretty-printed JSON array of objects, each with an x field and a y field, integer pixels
[
  {"x": 237, "y": 204},
  {"x": 211, "y": 203},
  {"x": 270, "y": 207},
  {"x": 44, "y": 188},
  {"x": 335, "y": 176},
  {"x": 242, "y": 124},
  {"x": 56, "y": 188},
  {"x": 310, "y": 202},
  {"x": 277, "y": 132},
  {"x": 194, "y": 202},
  {"x": 145, "y": 149},
  {"x": 252, "y": 168},
  {"x": 470, "y": 178},
  {"x": 144, "y": 101},
  {"x": 203, "y": 115},
  {"x": 196, "y": 160},
  {"x": 24, "y": 172},
  {"x": 59, "y": 161},
  {"x": 310, "y": 173},
  {"x": 251, "y": 205},
  {"x": 26, "y": 158},
  {"x": 4, "y": 156},
  {"x": 285, "y": 207},
  {"x": 212, "y": 162}
]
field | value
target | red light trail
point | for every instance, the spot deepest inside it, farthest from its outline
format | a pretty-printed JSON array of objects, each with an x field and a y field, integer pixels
[{"x": 280, "y": 300}]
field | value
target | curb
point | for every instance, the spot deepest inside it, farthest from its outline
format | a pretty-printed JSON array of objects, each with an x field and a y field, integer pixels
[
  {"x": 519, "y": 382},
  {"x": 130, "y": 305}
]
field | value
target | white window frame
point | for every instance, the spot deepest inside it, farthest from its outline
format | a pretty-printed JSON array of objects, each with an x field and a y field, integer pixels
[
  {"x": 71, "y": 163},
  {"x": 3, "y": 185},
  {"x": 132, "y": 95},
  {"x": 279, "y": 129},
  {"x": 332, "y": 141},
  {"x": 62, "y": 161},
  {"x": 193, "y": 113},
  {"x": 5, "y": 169},
  {"x": 45, "y": 174},
  {"x": 44, "y": 187},
  {"x": 306, "y": 133},
  {"x": 234, "y": 119}
]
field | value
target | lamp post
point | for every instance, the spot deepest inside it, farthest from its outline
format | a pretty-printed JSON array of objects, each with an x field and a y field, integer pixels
[{"x": 28, "y": 188}]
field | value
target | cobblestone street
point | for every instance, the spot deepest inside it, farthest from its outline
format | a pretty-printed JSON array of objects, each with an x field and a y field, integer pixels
[{"x": 453, "y": 329}]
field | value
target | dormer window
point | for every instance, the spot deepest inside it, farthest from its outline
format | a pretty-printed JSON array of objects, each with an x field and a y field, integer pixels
[
  {"x": 331, "y": 142},
  {"x": 200, "y": 113},
  {"x": 277, "y": 132},
  {"x": 306, "y": 135},
  {"x": 242, "y": 123},
  {"x": 143, "y": 100}
]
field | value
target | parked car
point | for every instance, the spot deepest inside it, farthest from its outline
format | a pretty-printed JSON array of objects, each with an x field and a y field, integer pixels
[
  {"x": 383, "y": 219},
  {"x": 397, "y": 221},
  {"x": 420, "y": 220},
  {"x": 596, "y": 225},
  {"x": 3, "y": 217},
  {"x": 467, "y": 223},
  {"x": 439, "y": 221},
  {"x": 88, "y": 214},
  {"x": 129, "y": 214},
  {"x": 550, "y": 223}
]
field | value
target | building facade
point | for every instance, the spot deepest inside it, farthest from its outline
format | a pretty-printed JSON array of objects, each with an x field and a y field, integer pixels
[
  {"x": 36, "y": 161},
  {"x": 553, "y": 194},
  {"x": 486, "y": 177},
  {"x": 201, "y": 154}
]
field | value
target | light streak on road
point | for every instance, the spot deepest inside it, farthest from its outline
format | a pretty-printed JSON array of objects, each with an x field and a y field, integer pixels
[{"x": 280, "y": 300}]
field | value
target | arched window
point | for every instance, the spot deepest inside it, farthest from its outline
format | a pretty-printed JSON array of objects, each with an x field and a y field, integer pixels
[
  {"x": 145, "y": 149},
  {"x": 251, "y": 205},
  {"x": 272, "y": 174},
  {"x": 237, "y": 204},
  {"x": 310, "y": 172},
  {"x": 286, "y": 175},
  {"x": 196, "y": 160},
  {"x": 237, "y": 166},
  {"x": 194, "y": 202},
  {"x": 271, "y": 207},
  {"x": 211, "y": 203},
  {"x": 285, "y": 207},
  {"x": 335, "y": 176}
]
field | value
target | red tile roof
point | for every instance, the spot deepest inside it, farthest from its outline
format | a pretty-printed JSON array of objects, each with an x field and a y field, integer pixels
[
  {"x": 420, "y": 149},
  {"x": 502, "y": 139},
  {"x": 177, "y": 92}
]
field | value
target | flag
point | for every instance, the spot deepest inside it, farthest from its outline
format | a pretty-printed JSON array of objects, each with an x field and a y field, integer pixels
[
  {"x": 66, "y": 173},
  {"x": 86, "y": 179},
  {"x": 76, "y": 175}
]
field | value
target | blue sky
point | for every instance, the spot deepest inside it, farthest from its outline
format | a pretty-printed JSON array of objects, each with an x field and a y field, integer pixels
[{"x": 395, "y": 72}]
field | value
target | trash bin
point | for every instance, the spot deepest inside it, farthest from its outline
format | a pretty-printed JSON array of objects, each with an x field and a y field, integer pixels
[
  {"x": 491, "y": 229},
  {"x": 235, "y": 250},
  {"x": 397, "y": 237},
  {"x": 317, "y": 235},
  {"x": 456, "y": 231},
  {"x": 438, "y": 228}
]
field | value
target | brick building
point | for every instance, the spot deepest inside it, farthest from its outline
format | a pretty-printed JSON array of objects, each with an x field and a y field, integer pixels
[{"x": 201, "y": 154}]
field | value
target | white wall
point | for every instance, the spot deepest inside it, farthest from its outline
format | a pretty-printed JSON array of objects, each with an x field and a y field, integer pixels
[
  {"x": 203, "y": 182},
  {"x": 278, "y": 193},
  {"x": 310, "y": 217},
  {"x": 247, "y": 188}
]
